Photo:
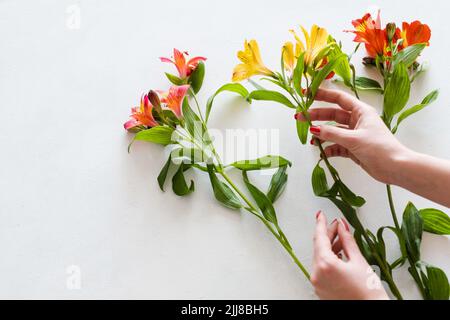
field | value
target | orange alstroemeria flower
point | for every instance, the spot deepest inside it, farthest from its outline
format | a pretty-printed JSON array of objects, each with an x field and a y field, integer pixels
[
  {"x": 414, "y": 33},
  {"x": 141, "y": 116},
  {"x": 174, "y": 98},
  {"x": 184, "y": 67},
  {"x": 369, "y": 32}
]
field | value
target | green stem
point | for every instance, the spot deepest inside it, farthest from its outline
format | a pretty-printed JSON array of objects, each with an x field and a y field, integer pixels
[
  {"x": 392, "y": 207},
  {"x": 252, "y": 209},
  {"x": 197, "y": 104},
  {"x": 381, "y": 263}
]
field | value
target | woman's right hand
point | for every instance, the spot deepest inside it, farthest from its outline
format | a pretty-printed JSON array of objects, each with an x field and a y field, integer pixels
[{"x": 361, "y": 134}]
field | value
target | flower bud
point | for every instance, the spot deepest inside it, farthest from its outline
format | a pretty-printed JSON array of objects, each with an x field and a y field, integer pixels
[
  {"x": 154, "y": 100},
  {"x": 391, "y": 28},
  {"x": 369, "y": 61}
]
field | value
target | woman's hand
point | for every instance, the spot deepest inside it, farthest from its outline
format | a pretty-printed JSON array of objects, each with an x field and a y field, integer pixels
[
  {"x": 361, "y": 136},
  {"x": 334, "y": 278}
]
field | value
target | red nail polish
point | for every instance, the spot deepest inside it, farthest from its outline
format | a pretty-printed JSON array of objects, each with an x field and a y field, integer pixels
[
  {"x": 313, "y": 141},
  {"x": 318, "y": 214},
  {"x": 344, "y": 222},
  {"x": 314, "y": 130},
  {"x": 296, "y": 116}
]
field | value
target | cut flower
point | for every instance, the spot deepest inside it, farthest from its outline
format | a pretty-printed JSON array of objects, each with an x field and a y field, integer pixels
[
  {"x": 251, "y": 63},
  {"x": 184, "y": 67},
  {"x": 141, "y": 116}
]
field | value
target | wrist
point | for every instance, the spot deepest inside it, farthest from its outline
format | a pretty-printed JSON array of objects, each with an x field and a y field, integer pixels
[{"x": 399, "y": 163}]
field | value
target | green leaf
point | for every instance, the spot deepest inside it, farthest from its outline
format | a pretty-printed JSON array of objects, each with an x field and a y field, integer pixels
[
  {"x": 179, "y": 185},
  {"x": 430, "y": 98},
  {"x": 412, "y": 228},
  {"x": 222, "y": 192},
  {"x": 302, "y": 129},
  {"x": 364, "y": 247},
  {"x": 342, "y": 69},
  {"x": 174, "y": 79},
  {"x": 396, "y": 93},
  {"x": 349, "y": 213},
  {"x": 163, "y": 174},
  {"x": 160, "y": 135},
  {"x": 399, "y": 235},
  {"x": 409, "y": 54},
  {"x": 436, "y": 284},
  {"x": 268, "y": 95},
  {"x": 191, "y": 155},
  {"x": 348, "y": 195},
  {"x": 364, "y": 83},
  {"x": 232, "y": 87},
  {"x": 298, "y": 74},
  {"x": 319, "y": 181},
  {"x": 266, "y": 162},
  {"x": 277, "y": 184},
  {"x": 261, "y": 200},
  {"x": 196, "y": 77},
  {"x": 325, "y": 71},
  {"x": 435, "y": 221},
  {"x": 193, "y": 124}
]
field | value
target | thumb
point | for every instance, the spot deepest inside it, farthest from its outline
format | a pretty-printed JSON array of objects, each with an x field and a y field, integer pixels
[{"x": 341, "y": 136}]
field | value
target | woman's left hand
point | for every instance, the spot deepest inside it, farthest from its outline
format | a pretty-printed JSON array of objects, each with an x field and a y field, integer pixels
[{"x": 334, "y": 278}]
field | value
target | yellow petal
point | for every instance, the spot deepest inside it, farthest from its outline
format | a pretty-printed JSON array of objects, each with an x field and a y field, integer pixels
[
  {"x": 241, "y": 72},
  {"x": 288, "y": 55},
  {"x": 307, "y": 38}
]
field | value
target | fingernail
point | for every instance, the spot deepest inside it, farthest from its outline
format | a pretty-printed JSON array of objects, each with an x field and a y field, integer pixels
[
  {"x": 313, "y": 141},
  {"x": 318, "y": 214},
  {"x": 296, "y": 116},
  {"x": 314, "y": 130},
  {"x": 345, "y": 224}
]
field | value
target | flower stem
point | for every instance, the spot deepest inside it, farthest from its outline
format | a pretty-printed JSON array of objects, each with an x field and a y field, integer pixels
[
  {"x": 252, "y": 209},
  {"x": 392, "y": 207},
  {"x": 381, "y": 263}
]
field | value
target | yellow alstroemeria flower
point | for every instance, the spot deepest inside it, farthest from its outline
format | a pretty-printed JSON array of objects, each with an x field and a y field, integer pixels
[
  {"x": 315, "y": 42},
  {"x": 290, "y": 56},
  {"x": 251, "y": 63}
]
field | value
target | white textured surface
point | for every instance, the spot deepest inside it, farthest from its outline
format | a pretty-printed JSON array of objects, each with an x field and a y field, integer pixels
[{"x": 71, "y": 195}]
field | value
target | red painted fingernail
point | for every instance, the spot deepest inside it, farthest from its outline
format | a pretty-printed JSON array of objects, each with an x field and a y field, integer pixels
[
  {"x": 296, "y": 116},
  {"x": 313, "y": 141},
  {"x": 318, "y": 214},
  {"x": 347, "y": 227},
  {"x": 314, "y": 130}
]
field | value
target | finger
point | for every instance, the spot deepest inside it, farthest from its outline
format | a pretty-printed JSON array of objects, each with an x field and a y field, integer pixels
[
  {"x": 322, "y": 244},
  {"x": 341, "y": 136},
  {"x": 337, "y": 246},
  {"x": 332, "y": 230},
  {"x": 336, "y": 150},
  {"x": 326, "y": 114},
  {"x": 349, "y": 245},
  {"x": 343, "y": 99}
]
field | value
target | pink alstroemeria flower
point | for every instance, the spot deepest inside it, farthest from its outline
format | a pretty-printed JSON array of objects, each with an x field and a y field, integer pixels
[
  {"x": 174, "y": 98},
  {"x": 179, "y": 60},
  {"x": 141, "y": 116}
]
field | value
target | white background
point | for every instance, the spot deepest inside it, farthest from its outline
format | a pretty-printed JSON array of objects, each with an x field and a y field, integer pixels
[{"x": 70, "y": 194}]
